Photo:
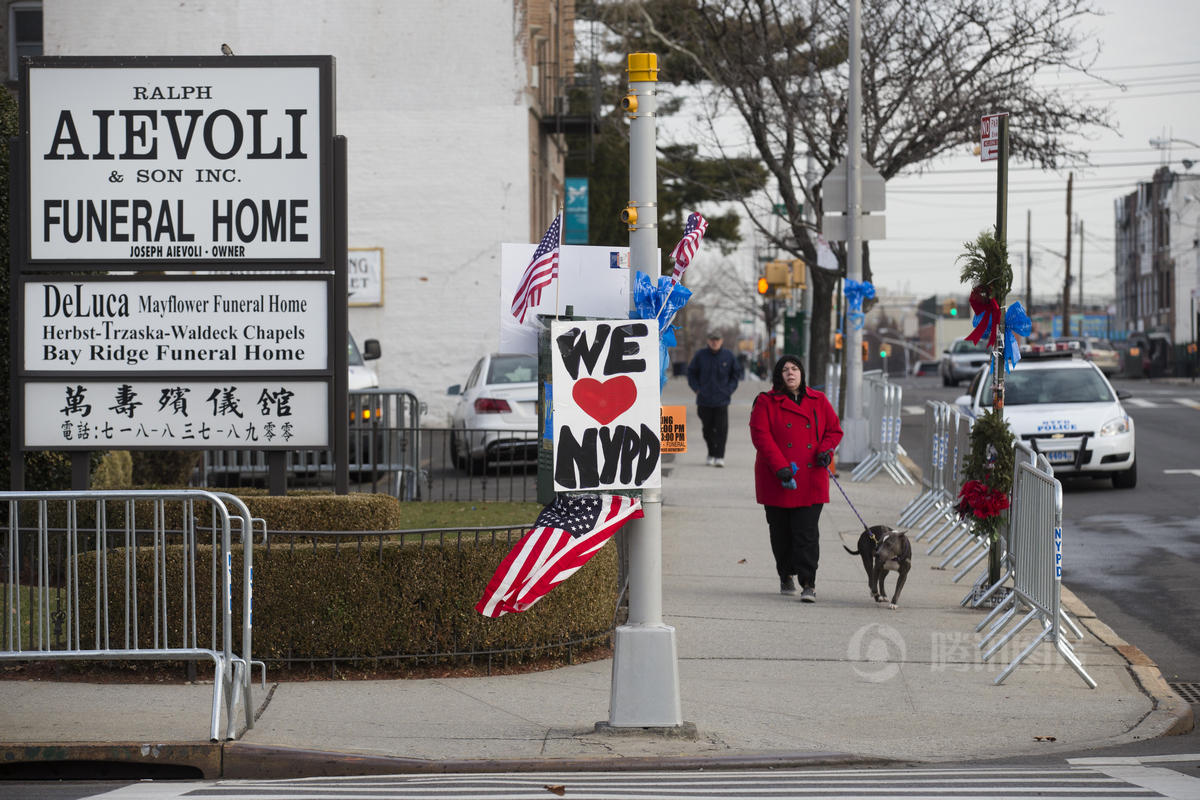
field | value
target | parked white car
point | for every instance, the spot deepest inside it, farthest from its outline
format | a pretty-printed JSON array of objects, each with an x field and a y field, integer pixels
[
  {"x": 1065, "y": 408},
  {"x": 495, "y": 420}
]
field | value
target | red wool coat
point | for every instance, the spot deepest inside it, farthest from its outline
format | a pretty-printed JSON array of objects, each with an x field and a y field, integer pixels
[{"x": 783, "y": 432}]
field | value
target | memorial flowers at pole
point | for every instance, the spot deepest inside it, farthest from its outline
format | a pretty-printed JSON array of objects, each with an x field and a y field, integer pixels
[{"x": 988, "y": 470}]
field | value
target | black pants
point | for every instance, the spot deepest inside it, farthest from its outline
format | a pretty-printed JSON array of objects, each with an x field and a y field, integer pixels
[
  {"x": 714, "y": 422},
  {"x": 795, "y": 541}
]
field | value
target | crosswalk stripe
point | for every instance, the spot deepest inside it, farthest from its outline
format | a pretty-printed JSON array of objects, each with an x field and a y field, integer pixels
[
  {"x": 1187, "y": 401},
  {"x": 1066, "y": 783}
]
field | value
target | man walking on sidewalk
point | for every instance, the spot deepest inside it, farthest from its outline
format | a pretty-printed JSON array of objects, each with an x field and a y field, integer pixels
[{"x": 713, "y": 375}]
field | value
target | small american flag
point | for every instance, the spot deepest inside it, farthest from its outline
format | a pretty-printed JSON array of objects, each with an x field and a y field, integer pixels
[
  {"x": 568, "y": 533},
  {"x": 693, "y": 232},
  {"x": 541, "y": 272}
]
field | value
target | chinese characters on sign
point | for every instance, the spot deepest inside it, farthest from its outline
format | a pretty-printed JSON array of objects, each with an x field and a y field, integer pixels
[{"x": 112, "y": 415}]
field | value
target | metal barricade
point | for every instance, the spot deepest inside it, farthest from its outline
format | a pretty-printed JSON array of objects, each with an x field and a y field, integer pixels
[
  {"x": 931, "y": 471},
  {"x": 384, "y": 448},
  {"x": 882, "y": 404},
  {"x": 77, "y": 589},
  {"x": 1035, "y": 558},
  {"x": 833, "y": 382}
]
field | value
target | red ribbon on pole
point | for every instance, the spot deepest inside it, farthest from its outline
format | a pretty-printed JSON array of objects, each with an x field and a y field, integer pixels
[{"x": 987, "y": 317}]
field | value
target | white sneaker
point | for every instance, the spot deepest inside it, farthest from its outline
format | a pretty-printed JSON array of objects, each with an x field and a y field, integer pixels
[
  {"x": 718, "y": 462},
  {"x": 710, "y": 462}
]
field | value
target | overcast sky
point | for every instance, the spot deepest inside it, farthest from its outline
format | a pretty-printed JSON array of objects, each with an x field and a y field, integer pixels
[{"x": 1149, "y": 46}]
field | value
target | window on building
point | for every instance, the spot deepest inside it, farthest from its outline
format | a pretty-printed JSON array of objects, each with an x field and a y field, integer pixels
[{"x": 24, "y": 34}]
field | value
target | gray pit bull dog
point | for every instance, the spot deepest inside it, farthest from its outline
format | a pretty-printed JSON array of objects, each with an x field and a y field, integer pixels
[{"x": 884, "y": 549}]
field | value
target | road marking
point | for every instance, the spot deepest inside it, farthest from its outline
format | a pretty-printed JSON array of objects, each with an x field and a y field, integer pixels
[
  {"x": 912, "y": 410},
  {"x": 1195, "y": 472},
  {"x": 1188, "y": 402},
  {"x": 1138, "y": 402}
]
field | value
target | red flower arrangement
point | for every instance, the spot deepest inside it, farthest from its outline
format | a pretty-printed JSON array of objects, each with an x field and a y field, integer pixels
[{"x": 980, "y": 500}]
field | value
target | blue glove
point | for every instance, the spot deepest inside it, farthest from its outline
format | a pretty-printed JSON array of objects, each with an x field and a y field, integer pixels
[{"x": 790, "y": 483}]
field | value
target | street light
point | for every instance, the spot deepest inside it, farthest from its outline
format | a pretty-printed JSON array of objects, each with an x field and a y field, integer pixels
[{"x": 1165, "y": 143}]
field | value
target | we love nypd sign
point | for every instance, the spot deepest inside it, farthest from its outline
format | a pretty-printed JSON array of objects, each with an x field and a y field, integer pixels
[
  {"x": 178, "y": 160},
  {"x": 606, "y": 405}
]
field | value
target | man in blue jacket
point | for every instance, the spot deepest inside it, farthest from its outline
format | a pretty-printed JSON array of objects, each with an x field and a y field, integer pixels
[{"x": 713, "y": 375}]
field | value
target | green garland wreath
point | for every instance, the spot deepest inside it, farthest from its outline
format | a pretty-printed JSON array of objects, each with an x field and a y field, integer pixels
[
  {"x": 988, "y": 470},
  {"x": 986, "y": 267}
]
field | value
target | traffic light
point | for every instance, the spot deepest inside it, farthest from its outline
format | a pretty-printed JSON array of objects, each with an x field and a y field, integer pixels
[
  {"x": 866, "y": 351},
  {"x": 885, "y": 350},
  {"x": 950, "y": 307},
  {"x": 799, "y": 274},
  {"x": 837, "y": 341},
  {"x": 763, "y": 286}
]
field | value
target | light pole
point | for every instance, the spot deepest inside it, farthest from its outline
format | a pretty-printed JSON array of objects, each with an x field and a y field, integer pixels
[{"x": 1165, "y": 142}]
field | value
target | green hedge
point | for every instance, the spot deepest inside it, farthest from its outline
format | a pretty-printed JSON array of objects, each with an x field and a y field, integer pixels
[{"x": 343, "y": 603}]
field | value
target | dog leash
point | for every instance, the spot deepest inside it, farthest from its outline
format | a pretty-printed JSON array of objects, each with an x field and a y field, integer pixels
[{"x": 843, "y": 491}]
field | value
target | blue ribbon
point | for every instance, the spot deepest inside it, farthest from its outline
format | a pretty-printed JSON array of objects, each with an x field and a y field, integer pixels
[
  {"x": 1016, "y": 321},
  {"x": 856, "y": 292},
  {"x": 649, "y": 300}
]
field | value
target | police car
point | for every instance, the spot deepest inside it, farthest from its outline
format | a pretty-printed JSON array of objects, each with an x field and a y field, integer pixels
[{"x": 1065, "y": 408}]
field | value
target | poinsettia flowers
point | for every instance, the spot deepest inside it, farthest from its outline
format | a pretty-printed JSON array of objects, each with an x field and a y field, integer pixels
[{"x": 979, "y": 500}]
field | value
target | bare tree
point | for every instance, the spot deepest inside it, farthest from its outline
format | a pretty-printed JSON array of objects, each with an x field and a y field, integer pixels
[{"x": 930, "y": 69}]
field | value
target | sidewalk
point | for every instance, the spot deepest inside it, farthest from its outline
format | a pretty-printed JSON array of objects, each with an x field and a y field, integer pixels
[{"x": 763, "y": 678}]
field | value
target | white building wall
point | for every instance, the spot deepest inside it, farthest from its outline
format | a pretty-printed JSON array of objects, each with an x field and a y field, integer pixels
[
  {"x": 432, "y": 100},
  {"x": 1185, "y": 250}
]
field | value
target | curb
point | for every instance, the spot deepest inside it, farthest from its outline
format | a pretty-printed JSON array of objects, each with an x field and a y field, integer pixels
[
  {"x": 1171, "y": 714},
  {"x": 265, "y": 762},
  {"x": 237, "y": 760}
]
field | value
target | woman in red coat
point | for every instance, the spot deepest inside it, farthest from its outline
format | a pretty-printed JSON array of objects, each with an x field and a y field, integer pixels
[{"x": 793, "y": 425}]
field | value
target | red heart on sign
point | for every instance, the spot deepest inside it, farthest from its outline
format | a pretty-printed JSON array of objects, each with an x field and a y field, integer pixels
[{"x": 605, "y": 401}]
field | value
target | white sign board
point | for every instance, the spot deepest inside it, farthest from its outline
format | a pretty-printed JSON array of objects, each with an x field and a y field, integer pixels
[
  {"x": 364, "y": 276},
  {"x": 835, "y": 227},
  {"x": 176, "y": 163},
  {"x": 592, "y": 279},
  {"x": 179, "y": 325},
  {"x": 989, "y": 137},
  {"x": 872, "y": 194},
  {"x": 106, "y": 415},
  {"x": 606, "y": 405}
]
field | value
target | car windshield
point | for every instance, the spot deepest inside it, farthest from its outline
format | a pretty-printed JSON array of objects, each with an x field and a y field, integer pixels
[
  {"x": 512, "y": 369},
  {"x": 1024, "y": 387},
  {"x": 963, "y": 346},
  {"x": 353, "y": 357}
]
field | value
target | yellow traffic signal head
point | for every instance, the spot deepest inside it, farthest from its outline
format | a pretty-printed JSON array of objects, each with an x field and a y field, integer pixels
[{"x": 763, "y": 286}]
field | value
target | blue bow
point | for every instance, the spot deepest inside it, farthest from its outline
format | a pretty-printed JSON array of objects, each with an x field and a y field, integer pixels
[
  {"x": 856, "y": 292},
  {"x": 1016, "y": 321},
  {"x": 648, "y": 301}
]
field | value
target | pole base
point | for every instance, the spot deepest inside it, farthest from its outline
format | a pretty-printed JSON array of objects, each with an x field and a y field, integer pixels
[
  {"x": 645, "y": 678},
  {"x": 855, "y": 446}
]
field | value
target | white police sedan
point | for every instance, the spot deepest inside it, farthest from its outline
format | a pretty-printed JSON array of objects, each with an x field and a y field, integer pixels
[{"x": 1066, "y": 409}]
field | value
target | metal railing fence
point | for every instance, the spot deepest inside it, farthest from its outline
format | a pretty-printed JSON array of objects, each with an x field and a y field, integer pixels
[
  {"x": 1034, "y": 554},
  {"x": 882, "y": 406},
  {"x": 384, "y": 438},
  {"x": 56, "y": 545},
  {"x": 1031, "y": 546}
]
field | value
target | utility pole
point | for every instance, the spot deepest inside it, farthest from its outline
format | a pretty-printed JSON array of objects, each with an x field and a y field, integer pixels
[
  {"x": 1028, "y": 261},
  {"x": 854, "y": 448},
  {"x": 1066, "y": 301},
  {"x": 1081, "y": 269},
  {"x": 645, "y": 671}
]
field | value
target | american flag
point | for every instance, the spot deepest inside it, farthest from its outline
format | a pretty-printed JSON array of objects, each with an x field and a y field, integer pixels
[
  {"x": 541, "y": 272},
  {"x": 568, "y": 532},
  {"x": 693, "y": 232}
]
